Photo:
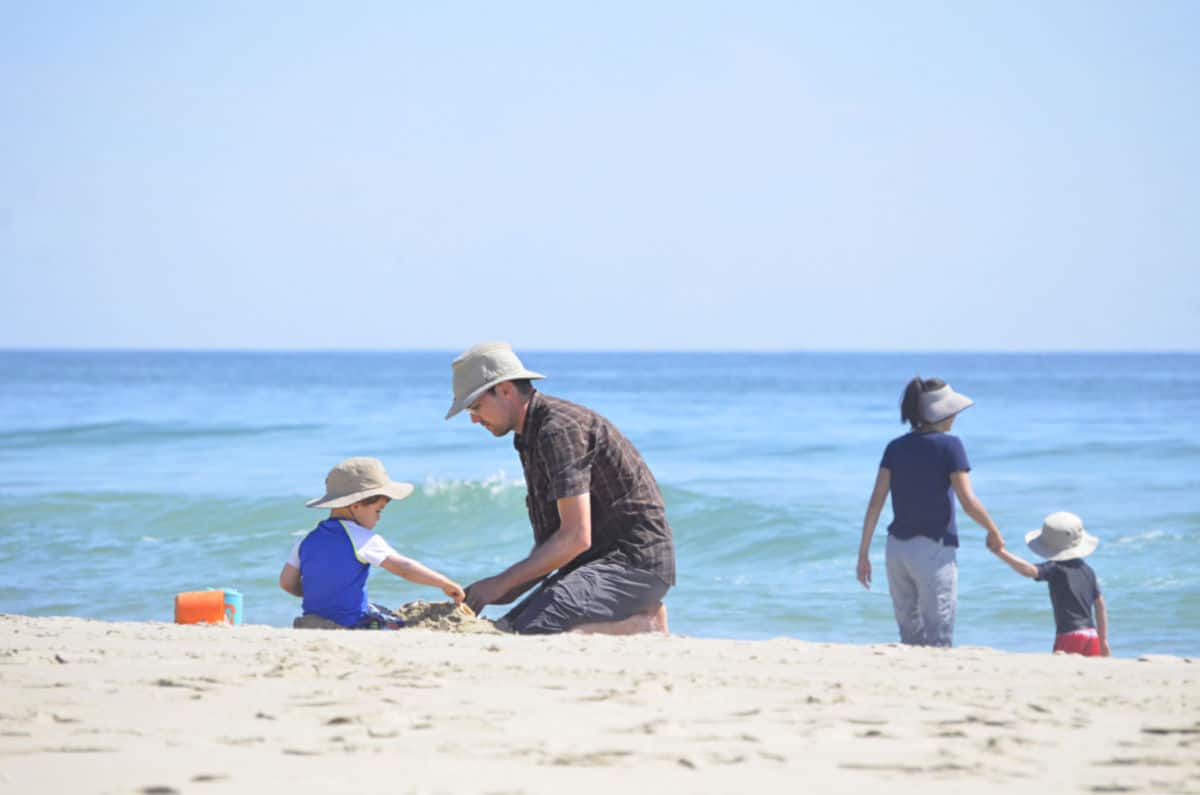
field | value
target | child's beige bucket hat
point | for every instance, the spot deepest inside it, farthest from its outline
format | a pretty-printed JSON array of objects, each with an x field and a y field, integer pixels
[
  {"x": 938, "y": 404},
  {"x": 480, "y": 368},
  {"x": 1062, "y": 537},
  {"x": 357, "y": 479}
]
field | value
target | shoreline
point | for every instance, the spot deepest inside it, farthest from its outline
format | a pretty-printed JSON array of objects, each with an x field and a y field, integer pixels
[{"x": 96, "y": 706}]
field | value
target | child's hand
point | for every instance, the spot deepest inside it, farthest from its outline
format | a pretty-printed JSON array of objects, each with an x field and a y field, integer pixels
[{"x": 455, "y": 592}]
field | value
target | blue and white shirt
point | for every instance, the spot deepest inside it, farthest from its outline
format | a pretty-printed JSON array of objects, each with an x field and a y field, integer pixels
[{"x": 334, "y": 561}]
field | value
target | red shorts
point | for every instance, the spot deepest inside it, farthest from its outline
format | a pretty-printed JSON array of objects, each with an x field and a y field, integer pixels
[{"x": 1082, "y": 641}]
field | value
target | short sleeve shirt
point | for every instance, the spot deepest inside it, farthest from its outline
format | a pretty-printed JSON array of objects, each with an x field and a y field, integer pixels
[
  {"x": 335, "y": 560},
  {"x": 1073, "y": 591},
  {"x": 567, "y": 450},
  {"x": 369, "y": 547},
  {"x": 922, "y": 497}
]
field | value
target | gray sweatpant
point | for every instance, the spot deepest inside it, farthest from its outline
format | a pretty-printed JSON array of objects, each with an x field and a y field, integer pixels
[{"x": 923, "y": 580}]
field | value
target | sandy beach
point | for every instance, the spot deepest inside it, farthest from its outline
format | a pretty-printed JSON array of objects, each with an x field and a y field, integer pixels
[{"x": 91, "y": 706}]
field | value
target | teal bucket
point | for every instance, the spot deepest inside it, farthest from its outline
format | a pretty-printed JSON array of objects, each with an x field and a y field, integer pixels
[{"x": 233, "y": 606}]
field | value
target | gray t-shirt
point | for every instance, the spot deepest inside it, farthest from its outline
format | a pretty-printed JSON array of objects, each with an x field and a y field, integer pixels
[{"x": 1073, "y": 591}]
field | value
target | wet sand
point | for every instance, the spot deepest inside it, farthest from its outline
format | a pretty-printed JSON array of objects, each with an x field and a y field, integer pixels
[{"x": 90, "y": 706}]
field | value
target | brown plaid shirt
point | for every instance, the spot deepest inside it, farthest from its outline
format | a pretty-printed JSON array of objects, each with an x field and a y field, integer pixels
[{"x": 567, "y": 450}]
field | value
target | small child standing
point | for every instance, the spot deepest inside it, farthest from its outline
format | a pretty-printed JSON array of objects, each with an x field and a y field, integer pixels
[
  {"x": 1074, "y": 591},
  {"x": 328, "y": 568}
]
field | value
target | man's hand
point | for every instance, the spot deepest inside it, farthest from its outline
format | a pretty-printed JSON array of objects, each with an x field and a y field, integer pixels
[
  {"x": 488, "y": 591},
  {"x": 995, "y": 542}
]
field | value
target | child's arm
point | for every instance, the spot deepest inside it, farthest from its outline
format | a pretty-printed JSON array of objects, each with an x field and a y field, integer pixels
[
  {"x": 961, "y": 481},
  {"x": 1022, "y": 567},
  {"x": 1102, "y": 626},
  {"x": 883, "y": 483},
  {"x": 417, "y": 572},
  {"x": 289, "y": 580}
]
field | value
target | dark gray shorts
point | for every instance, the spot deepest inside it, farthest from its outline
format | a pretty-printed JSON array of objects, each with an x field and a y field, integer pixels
[{"x": 601, "y": 590}]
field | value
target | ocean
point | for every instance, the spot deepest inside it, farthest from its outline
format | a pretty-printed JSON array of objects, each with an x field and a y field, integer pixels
[{"x": 127, "y": 477}]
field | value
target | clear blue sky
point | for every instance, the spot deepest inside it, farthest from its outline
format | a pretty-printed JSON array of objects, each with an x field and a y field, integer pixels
[{"x": 620, "y": 175}]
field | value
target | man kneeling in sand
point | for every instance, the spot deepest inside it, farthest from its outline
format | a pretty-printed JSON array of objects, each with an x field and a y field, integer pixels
[{"x": 598, "y": 518}]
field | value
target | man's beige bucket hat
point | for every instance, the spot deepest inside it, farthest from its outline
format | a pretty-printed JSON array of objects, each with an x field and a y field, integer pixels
[
  {"x": 357, "y": 479},
  {"x": 1062, "y": 537},
  {"x": 480, "y": 368}
]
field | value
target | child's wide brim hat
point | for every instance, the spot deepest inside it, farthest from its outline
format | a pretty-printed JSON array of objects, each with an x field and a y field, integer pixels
[
  {"x": 1062, "y": 537},
  {"x": 358, "y": 479},
  {"x": 480, "y": 368},
  {"x": 942, "y": 403}
]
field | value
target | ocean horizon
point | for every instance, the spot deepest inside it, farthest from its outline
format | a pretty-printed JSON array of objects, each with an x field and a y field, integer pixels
[{"x": 1185, "y": 351}]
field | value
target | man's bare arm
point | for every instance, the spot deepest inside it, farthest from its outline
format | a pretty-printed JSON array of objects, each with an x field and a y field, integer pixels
[{"x": 573, "y": 537}]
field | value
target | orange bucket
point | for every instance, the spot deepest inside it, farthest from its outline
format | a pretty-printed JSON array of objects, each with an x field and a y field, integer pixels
[{"x": 200, "y": 607}]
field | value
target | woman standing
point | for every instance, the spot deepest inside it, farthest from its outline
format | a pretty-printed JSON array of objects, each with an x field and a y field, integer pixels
[{"x": 923, "y": 469}]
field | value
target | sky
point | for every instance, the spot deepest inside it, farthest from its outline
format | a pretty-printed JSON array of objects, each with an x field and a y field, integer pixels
[{"x": 601, "y": 175}]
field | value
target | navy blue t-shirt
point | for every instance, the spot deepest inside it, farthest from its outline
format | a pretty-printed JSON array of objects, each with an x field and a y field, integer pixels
[
  {"x": 922, "y": 497},
  {"x": 1073, "y": 591}
]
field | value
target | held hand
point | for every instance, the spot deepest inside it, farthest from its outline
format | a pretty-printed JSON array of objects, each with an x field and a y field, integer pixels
[
  {"x": 455, "y": 592},
  {"x": 484, "y": 592},
  {"x": 995, "y": 542},
  {"x": 864, "y": 571}
]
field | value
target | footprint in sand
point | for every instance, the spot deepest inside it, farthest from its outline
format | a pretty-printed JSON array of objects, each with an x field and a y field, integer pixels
[
  {"x": 1148, "y": 761},
  {"x": 591, "y": 759},
  {"x": 649, "y": 727},
  {"x": 77, "y": 749},
  {"x": 1193, "y": 729}
]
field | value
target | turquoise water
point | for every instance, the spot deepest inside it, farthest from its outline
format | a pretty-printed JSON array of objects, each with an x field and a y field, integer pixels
[{"x": 126, "y": 477}]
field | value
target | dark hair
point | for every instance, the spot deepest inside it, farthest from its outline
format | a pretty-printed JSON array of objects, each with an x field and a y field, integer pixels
[
  {"x": 372, "y": 500},
  {"x": 910, "y": 403},
  {"x": 524, "y": 386}
]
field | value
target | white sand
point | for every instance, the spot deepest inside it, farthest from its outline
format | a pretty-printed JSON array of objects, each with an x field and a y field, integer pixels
[{"x": 89, "y": 706}]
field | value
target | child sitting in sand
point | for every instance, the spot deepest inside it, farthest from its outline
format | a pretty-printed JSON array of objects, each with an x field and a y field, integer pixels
[
  {"x": 1063, "y": 542},
  {"x": 329, "y": 566}
]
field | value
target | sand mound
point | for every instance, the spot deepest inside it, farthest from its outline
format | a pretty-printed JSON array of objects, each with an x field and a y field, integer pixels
[
  {"x": 439, "y": 616},
  {"x": 444, "y": 617}
]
